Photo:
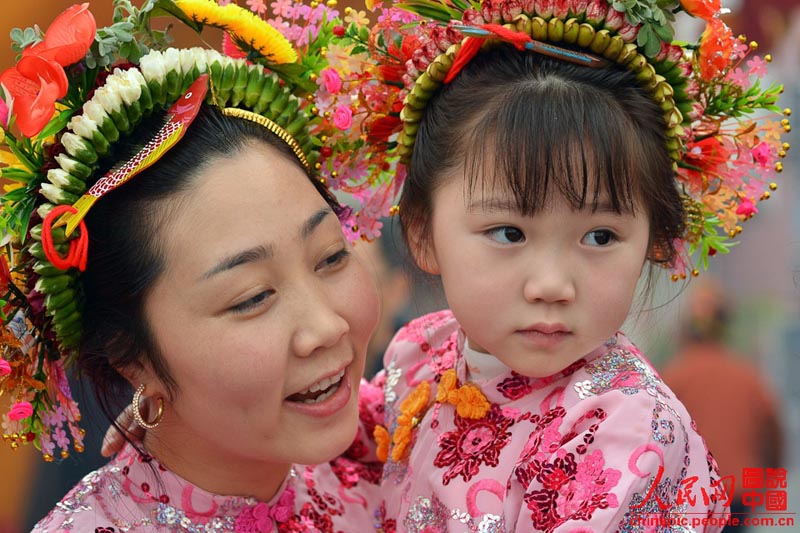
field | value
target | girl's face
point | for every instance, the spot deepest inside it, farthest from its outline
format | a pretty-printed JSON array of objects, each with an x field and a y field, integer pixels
[
  {"x": 536, "y": 292},
  {"x": 263, "y": 317}
]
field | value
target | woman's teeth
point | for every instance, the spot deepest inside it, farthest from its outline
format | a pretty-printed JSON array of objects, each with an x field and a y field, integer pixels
[{"x": 320, "y": 391}]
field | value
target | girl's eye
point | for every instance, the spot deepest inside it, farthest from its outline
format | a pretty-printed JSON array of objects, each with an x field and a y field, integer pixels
[
  {"x": 599, "y": 237},
  {"x": 335, "y": 259},
  {"x": 506, "y": 235},
  {"x": 252, "y": 303}
]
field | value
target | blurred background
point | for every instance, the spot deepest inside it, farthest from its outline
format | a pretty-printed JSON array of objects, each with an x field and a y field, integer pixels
[{"x": 728, "y": 342}]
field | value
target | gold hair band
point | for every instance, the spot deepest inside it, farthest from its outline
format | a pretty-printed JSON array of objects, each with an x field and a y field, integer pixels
[{"x": 261, "y": 120}]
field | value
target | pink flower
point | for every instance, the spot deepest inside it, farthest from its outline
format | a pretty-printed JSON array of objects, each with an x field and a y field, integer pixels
[
  {"x": 758, "y": 67},
  {"x": 343, "y": 117},
  {"x": 333, "y": 82},
  {"x": 761, "y": 154},
  {"x": 5, "y": 368},
  {"x": 746, "y": 208},
  {"x": 282, "y": 7},
  {"x": 257, "y": 6},
  {"x": 3, "y": 113},
  {"x": 20, "y": 410},
  {"x": 739, "y": 77}
]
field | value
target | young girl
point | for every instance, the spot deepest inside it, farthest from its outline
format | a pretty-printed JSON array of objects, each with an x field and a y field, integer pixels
[{"x": 539, "y": 189}]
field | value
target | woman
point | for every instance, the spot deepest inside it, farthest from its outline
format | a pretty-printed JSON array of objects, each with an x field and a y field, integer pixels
[{"x": 211, "y": 275}]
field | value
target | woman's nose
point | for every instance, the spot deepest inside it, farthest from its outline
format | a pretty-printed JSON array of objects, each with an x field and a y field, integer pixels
[{"x": 321, "y": 325}]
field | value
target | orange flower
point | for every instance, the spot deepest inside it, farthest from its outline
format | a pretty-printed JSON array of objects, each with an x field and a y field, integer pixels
[
  {"x": 704, "y": 9},
  {"x": 447, "y": 385},
  {"x": 401, "y": 439},
  {"x": 38, "y": 80},
  {"x": 716, "y": 47},
  {"x": 417, "y": 400},
  {"x": 471, "y": 402},
  {"x": 382, "y": 439},
  {"x": 34, "y": 84},
  {"x": 68, "y": 38},
  {"x": 468, "y": 399}
]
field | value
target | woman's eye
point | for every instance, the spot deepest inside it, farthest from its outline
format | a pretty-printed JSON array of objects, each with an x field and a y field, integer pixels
[
  {"x": 252, "y": 303},
  {"x": 599, "y": 237},
  {"x": 506, "y": 235},
  {"x": 335, "y": 259}
]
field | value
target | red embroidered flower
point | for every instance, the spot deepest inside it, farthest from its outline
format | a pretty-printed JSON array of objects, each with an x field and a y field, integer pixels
[
  {"x": 515, "y": 387},
  {"x": 473, "y": 443}
]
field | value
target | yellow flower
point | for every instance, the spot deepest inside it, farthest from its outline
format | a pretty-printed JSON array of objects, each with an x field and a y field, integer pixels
[
  {"x": 382, "y": 439},
  {"x": 357, "y": 17},
  {"x": 245, "y": 28}
]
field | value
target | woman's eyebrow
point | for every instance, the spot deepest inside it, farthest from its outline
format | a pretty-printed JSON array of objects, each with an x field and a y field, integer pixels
[
  {"x": 251, "y": 255},
  {"x": 262, "y": 253}
]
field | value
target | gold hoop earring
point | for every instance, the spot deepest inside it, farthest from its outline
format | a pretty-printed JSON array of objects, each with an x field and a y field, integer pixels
[{"x": 137, "y": 413}]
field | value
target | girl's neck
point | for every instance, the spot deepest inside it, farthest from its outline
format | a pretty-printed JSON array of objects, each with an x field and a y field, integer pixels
[{"x": 215, "y": 470}]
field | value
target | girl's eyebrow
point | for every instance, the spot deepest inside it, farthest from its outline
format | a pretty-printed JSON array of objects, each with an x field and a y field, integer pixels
[
  {"x": 261, "y": 252},
  {"x": 491, "y": 205}
]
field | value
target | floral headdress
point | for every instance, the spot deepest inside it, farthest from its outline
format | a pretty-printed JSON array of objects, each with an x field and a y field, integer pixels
[
  {"x": 76, "y": 90},
  {"x": 723, "y": 128}
]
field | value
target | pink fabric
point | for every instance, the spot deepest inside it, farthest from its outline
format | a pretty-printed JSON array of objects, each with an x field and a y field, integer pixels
[
  {"x": 134, "y": 493},
  {"x": 575, "y": 451}
]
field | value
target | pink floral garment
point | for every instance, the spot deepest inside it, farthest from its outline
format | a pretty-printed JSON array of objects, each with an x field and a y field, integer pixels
[
  {"x": 601, "y": 446},
  {"x": 134, "y": 493}
]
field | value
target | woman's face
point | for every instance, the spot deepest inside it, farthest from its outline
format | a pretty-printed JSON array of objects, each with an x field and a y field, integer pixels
[{"x": 262, "y": 316}]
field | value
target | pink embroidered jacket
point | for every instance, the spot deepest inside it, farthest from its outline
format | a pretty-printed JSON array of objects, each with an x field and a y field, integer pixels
[
  {"x": 134, "y": 493},
  {"x": 601, "y": 446}
]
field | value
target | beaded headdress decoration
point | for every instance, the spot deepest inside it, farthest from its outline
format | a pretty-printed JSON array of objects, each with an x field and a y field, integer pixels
[
  {"x": 76, "y": 90},
  {"x": 723, "y": 128}
]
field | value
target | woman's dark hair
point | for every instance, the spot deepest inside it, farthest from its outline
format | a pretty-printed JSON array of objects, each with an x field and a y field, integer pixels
[
  {"x": 533, "y": 126},
  {"x": 125, "y": 257}
]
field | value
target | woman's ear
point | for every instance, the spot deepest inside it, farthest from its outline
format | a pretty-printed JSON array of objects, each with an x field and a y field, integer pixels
[
  {"x": 141, "y": 373},
  {"x": 423, "y": 249}
]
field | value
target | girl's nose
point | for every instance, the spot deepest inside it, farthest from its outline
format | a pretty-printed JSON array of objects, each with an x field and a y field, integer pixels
[{"x": 549, "y": 282}]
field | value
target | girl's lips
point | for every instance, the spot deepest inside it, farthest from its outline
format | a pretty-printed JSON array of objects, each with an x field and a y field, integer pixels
[
  {"x": 329, "y": 406},
  {"x": 543, "y": 340}
]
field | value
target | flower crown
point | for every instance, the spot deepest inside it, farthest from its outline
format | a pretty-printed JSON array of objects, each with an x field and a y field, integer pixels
[
  {"x": 77, "y": 90},
  {"x": 723, "y": 129}
]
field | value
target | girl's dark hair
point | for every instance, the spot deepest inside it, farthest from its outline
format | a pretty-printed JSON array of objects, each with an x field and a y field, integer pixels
[
  {"x": 533, "y": 126},
  {"x": 125, "y": 256}
]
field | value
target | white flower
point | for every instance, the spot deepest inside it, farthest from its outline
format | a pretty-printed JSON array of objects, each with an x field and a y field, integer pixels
[
  {"x": 128, "y": 87},
  {"x": 44, "y": 210},
  {"x": 94, "y": 111},
  {"x": 107, "y": 97},
  {"x": 52, "y": 193},
  {"x": 188, "y": 59},
  {"x": 152, "y": 66},
  {"x": 58, "y": 177},
  {"x": 74, "y": 144},
  {"x": 136, "y": 75},
  {"x": 172, "y": 60},
  {"x": 212, "y": 56},
  {"x": 65, "y": 162},
  {"x": 83, "y": 126}
]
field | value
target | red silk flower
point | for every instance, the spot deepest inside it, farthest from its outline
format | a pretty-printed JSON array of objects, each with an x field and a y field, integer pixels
[
  {"x": 38, "y": 80},
  {"x": 704, "y": 9},
  {"x": 716, "y": 47}
]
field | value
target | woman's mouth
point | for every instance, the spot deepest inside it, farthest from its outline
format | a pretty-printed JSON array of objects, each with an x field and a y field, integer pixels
[{"x": 320, "y": 391}]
